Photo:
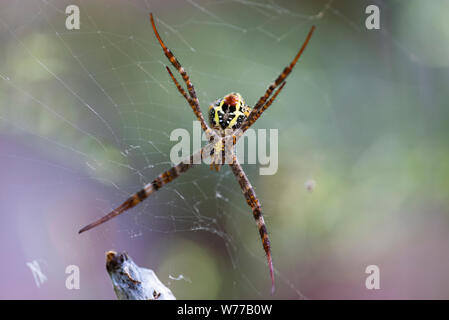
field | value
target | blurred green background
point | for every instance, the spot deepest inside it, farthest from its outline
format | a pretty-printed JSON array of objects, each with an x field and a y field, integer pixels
[{"x": 85, "y": 120}]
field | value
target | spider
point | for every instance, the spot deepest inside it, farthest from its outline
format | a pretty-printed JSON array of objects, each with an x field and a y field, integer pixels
[{"x": 229, "y": 118}]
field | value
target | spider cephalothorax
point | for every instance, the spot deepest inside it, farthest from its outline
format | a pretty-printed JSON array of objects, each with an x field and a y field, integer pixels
[
  {"x": 229, "y": 117},
  {"x": 228, "y": 112}
]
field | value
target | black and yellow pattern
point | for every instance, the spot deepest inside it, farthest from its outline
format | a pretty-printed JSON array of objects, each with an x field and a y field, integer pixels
[{"x": 228, "y": 113}]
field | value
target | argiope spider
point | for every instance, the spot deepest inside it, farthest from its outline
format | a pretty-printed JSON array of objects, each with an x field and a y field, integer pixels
[{"x": 229, "y": 117}]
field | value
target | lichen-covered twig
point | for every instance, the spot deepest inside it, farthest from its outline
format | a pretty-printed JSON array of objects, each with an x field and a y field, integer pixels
[{"x": 132, "y": 282}]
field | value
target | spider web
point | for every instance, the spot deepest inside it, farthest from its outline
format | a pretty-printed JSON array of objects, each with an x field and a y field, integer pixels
[{"x": 96, "y": 108}]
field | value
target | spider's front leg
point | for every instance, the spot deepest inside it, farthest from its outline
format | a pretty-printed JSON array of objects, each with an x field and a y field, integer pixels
[
  {"x": 160, "y": 181},
  {"x": 191, "y": 98}
]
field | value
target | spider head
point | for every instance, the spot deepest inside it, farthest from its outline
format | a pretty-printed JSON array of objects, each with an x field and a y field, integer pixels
[{"x": 228, "y": 112}]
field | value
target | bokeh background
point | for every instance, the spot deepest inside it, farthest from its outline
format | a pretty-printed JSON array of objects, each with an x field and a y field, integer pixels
[{"x": 85, "y": 119}]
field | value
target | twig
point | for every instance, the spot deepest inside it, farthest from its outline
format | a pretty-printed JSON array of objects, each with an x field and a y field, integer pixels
[{"x": 131, "y": 282}]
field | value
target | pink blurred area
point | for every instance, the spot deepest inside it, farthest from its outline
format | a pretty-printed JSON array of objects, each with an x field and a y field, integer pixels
[{"x": 43, "y": 204}]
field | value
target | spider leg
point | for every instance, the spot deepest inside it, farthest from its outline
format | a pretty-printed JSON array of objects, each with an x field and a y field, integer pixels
[
  {"x": 240, "y": 131},
  {"x": 155, "y": 185},
  {"x": 180, "y": 89},
  {"x": 269, "y": 102},
  {"x": 253, "y": 202},
  {"x": 189, "y": 100},
  {"x": 193, "y": 101},
  {"x": 252, "y": 116}
]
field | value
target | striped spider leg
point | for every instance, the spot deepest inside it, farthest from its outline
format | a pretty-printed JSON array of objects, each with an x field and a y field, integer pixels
[
  {"x": 160, "y": 181},
  {"x": 253, "y": 202},
  {"x": 260, "y": 106},
  {"x": 192, "y": 98},
  {"x": 229, "y": 118}
]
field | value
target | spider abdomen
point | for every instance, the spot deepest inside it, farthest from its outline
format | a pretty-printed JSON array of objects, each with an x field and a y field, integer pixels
[{"x": 228, "y": 113}]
